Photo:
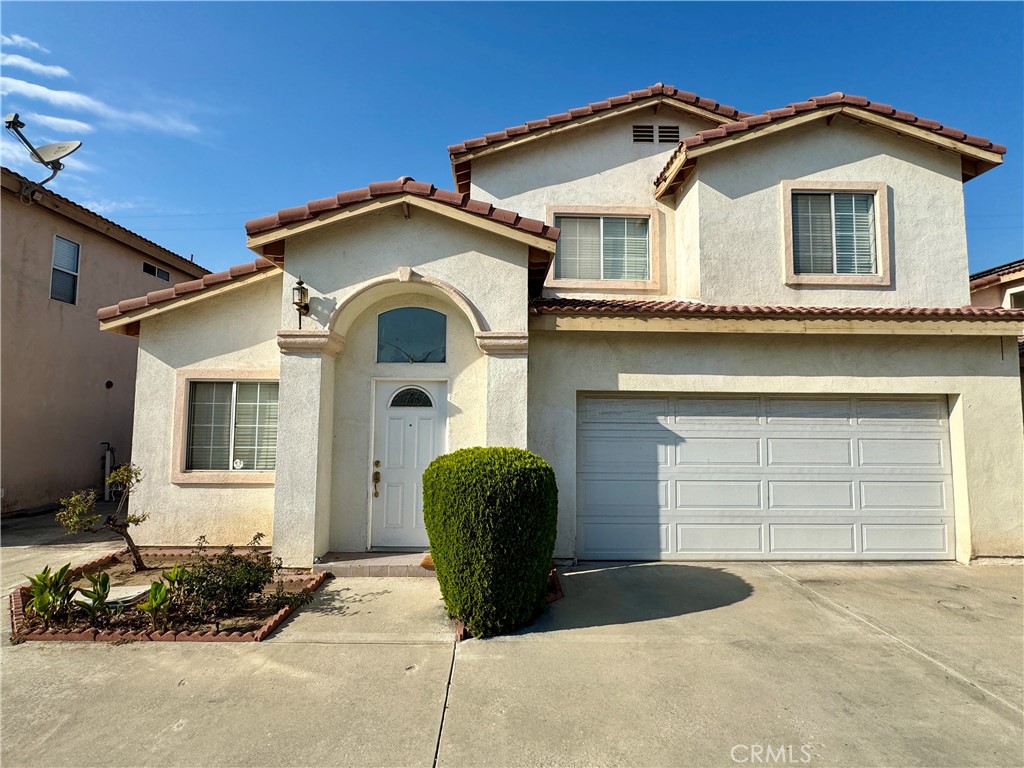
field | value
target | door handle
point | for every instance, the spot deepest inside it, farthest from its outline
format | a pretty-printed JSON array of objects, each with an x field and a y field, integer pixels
[{"x": 376, "y": 479}]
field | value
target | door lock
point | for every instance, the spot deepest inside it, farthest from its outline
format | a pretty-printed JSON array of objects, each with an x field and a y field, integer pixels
[{"x": 376, "y": 479}]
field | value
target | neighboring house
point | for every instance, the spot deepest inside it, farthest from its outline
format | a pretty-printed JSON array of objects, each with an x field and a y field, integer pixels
[
  {"x": 1002, "y": 286},
  {"x": 65, "y": 385},
  {"x": 733, "y": 336}
]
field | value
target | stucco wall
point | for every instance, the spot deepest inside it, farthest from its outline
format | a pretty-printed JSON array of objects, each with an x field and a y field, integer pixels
[
  {"x": 741, "y": 224},
  {"x": 977, "y": 372},
  {"x": 466, "y": 370},
  {"x": 56, "y": 408},
  {"x": 336, "y": 262},
  {"x": 234, "y": 333}
]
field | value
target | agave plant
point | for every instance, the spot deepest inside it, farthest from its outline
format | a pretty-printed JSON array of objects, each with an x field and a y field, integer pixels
[
  {"x": 156, "y": 604},
  {"x": 51, "y": 593},
  {"x": 96, "y": 603}
]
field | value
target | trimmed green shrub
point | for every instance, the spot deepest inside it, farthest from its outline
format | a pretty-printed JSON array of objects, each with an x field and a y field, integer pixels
[{"x": 491, "y": 517}]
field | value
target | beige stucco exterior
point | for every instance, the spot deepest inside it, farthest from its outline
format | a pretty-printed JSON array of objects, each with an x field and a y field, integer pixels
[
  {"x": 515, "y": 379},
  {"x": 56, "y": 406}
]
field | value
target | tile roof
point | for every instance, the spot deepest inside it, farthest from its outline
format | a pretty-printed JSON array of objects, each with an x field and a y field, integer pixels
[
  {"x": 170, "y": 257},
  {"x": 989, "y": 276},
  {"x": 183, "y": 289},
  {"x": 656, "y": 90},
  {"x": 823, "y": 102},
  {"x": 406, "y": 185},
  {"x": 629, "y": 307}
]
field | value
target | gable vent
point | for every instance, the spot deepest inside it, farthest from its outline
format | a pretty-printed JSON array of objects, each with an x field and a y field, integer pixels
[
  {"x": 643, "y": 134},
  {"x": 668, "y": 134}
]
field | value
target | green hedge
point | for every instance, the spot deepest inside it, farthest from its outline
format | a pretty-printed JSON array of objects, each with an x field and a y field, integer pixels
[{"x": 491, "y": 516}]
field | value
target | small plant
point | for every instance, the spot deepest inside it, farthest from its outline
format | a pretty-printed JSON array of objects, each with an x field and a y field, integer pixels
[
  {"x": 175, "y": 579},
  {"x": 78, "y": 511},
  {"x": 225, "y": 583},
  {"x": 156, "y": 605},
  {"x": 96, "y": 603},
  {"x": 51, "y": 593}
]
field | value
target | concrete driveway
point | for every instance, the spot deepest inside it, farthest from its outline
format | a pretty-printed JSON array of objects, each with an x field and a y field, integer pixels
[{"x": 659, "y": 665}]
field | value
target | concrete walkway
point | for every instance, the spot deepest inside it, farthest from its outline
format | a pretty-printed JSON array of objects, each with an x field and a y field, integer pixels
[{"x": 640, "y": 665}]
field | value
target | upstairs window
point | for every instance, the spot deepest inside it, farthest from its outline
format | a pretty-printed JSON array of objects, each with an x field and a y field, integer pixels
[
  {"x": 155, "y": 271},
  {"x": 64, "y": 273},
  {"x": 603, "y": 248},
  {"x": 411, "y": 335},
  {"x": 834, "y": 234}
]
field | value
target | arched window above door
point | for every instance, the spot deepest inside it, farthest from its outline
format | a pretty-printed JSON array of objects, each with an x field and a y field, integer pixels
[
  {"x": 411, "y": 335},
  {"x": 411, "y": 397}
]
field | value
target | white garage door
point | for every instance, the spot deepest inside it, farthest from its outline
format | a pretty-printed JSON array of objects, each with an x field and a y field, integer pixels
[{"x": 763, "y": 477}]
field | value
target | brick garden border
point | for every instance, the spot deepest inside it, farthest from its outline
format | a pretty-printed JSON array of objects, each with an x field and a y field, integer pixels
[{"x": 20, "y": 632}]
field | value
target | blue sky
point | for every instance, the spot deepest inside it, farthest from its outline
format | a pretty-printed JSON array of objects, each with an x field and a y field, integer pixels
[{"x": 198, "y": 116}]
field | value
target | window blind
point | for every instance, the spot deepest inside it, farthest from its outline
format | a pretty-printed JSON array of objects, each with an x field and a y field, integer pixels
[
  {"x": 833, "y": 233},
  {"x": 232, "y": 425},
  {"x": 255, "y": 444},
  {"x": 608, "y": 248},
  {"x": 64, "y": 275}
]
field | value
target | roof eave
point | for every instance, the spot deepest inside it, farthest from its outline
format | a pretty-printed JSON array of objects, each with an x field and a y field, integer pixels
[{"x": 259, "y": 242}]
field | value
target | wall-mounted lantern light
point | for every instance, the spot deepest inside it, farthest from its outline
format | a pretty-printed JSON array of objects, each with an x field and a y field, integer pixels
[{"x": 300, "y": 298}]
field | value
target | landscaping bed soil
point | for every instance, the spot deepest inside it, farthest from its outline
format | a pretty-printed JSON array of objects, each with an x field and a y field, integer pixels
[{"x": 253, "y": 624}]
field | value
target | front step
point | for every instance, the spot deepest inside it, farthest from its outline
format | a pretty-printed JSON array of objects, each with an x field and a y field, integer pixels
[{"x": 374, "y": 564}]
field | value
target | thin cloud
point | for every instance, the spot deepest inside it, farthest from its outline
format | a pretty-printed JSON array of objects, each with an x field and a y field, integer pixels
[
  {"x": 58, "y": 123},
  {"x": 20, "y": 41},
  {"x": 74, "y": 100},
  {"x": 23, "y": 62},
  {"x": 105, "y": 207}
]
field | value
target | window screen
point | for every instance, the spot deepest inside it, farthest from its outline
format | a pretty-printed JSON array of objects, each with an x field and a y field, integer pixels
[
  {"x": 834, "y": 233},
  {"x": 64, "y": 273},
  {"x": 232, "y": 425},
  {"x": 602, "y": 248}
]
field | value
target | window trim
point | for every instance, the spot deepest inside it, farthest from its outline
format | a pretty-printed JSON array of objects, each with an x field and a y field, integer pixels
[
  {"x": 655, "y": 257},
  {"x": 179, "y": 440},
  {"x": 77, "y": 275},
  {"x": 1009, "y": 294},
  {"x": 880, "y": 190}
]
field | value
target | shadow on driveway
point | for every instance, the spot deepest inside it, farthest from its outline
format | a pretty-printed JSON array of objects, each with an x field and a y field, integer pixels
[{"x": 605, "y": 594}]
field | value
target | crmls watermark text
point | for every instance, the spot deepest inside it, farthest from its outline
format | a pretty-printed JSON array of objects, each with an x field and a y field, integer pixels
[{"x": 768, "y": 754}]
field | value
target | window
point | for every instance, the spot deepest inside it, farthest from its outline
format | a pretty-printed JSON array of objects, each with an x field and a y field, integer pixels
[
  {"x": 834, "y": 233},
  {"x": 602, "y": 248},
  {"x": 1015, "y": 299},
  {"x": 150, "y": 269},
  {"x": 64, "y": 275},
  {"x": 411, "y": 335},
  {"x": 411, "y": 397},
  {"x": 232, "y": 425}
]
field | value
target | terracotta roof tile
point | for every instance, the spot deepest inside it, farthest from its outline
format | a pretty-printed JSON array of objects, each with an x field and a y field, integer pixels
[
  {"x": 630, "y": 307},
  {"x": 182, "y": 289},
  {"x": 992, "y": 275},
  {"x": 654, "y": 91},
  {"x": 403, "y": 186},
  {"x": 820, "y": 102}
]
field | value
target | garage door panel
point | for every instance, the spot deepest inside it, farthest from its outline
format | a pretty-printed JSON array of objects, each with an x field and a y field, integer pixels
[
  {"x": 615, "y": 540},
  {"x": 891, "y": 538},
  {"x": 902, "y": 495},
  {"x": 718, "y": 494},
  {"x": 719, "y": 451},
  {"x": 626, "y": 450},
  {"x": 695, "y": 477},
  {"x": 901, "y": 452},
  {"x": 810, "y": 494},
  {"x": 803, "y": 452},
  {"x": 810, "y": 538},
  {"x": 731, "y": 538}
]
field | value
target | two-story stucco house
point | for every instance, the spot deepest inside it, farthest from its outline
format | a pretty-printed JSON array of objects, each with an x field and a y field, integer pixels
[
  {"x": 65, "y": 386},
  {"x": 733, "y": 336}
]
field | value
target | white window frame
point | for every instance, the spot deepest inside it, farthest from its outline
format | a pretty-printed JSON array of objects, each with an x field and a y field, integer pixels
[
  {"x": 1010, "y": 294},
  {"x": 182, "y": 415},
  {"x": 655, "y": 259},
  {"x": 76, "y": 275},
  {"x": 881, "y": 277}
]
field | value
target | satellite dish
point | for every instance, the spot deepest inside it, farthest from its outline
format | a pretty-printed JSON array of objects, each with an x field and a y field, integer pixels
[
  {"x": 52, "y": 153},
  {"x": 49, "y": 156}
]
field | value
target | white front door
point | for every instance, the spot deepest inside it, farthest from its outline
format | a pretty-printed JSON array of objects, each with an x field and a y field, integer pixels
[{"x": 409, "y": 431}]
